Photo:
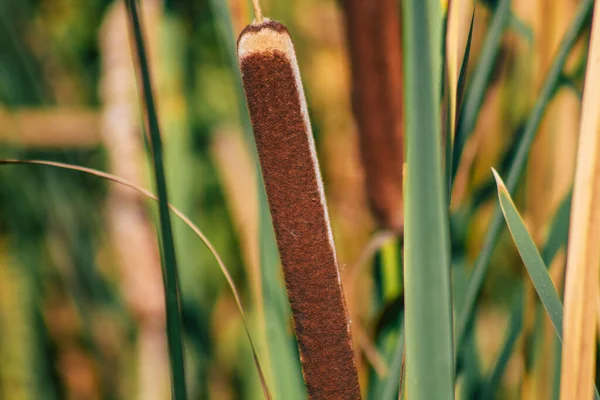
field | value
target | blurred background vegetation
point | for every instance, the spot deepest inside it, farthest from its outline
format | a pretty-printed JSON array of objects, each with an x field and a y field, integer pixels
[{"x": 81, "y": 298}]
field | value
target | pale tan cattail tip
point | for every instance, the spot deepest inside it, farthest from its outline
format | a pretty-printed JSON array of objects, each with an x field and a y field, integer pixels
[{"x": 265, "y": 36}]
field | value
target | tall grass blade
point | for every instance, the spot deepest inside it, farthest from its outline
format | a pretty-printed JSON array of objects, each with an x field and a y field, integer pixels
[
  {"x": 170, "y": 278},
  {"x": 186, "y": 221},
  {"x": 456, "y": 76},
  {"x": 477, "y": 88},
  {"x": 455, "y": 61},
  {"x": 132, "y": 231},
  {"x": 583, "y": 255},
  {"x": 428, "y": 323},
  {"x": 518, "y": 164}
]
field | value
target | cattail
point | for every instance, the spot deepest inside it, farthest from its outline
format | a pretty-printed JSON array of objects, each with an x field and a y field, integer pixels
[
  {"x": 373, "y": 31},
  {"x": 131, "y": 227},
  {"x": 296, "y": 198}
]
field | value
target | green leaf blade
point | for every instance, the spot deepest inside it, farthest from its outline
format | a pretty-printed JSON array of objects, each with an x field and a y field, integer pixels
[
  {"x": 518, "y": 165},
  {"x": 170, "y": 274},
  {"x": 428, "y": 313},
  {"x": 531, "y": 257},
  {"x": 533, "y": 261}
]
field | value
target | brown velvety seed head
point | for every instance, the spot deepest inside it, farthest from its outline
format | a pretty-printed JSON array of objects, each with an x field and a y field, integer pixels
[
  {"x": 298, "y": 210},
  {"x": 373, "y": 31}
]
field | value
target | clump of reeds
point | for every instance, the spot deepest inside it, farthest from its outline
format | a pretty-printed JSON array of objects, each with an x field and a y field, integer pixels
[
  {"x": 297, "y": 203},
  {"x": 290, "y": 169}
]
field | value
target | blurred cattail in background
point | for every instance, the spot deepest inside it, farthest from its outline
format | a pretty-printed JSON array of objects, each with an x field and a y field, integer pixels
[
  {"x": 373, "y": 29},
  {"x": 133, "y": 233}
]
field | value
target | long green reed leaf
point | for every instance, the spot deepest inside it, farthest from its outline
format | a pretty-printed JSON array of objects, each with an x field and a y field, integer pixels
[
  {"x": 531, "y": 257},
  {"x": 428, "y": 323},
  {"x": 189, "y": 223},
  {"x": 537, "y": 270},
  {"x": 170, "y": 277},
  {"x": 518, "y": 163}
]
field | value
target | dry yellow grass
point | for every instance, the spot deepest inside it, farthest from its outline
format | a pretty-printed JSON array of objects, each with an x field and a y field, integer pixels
[{"x": 579, "y": 346}]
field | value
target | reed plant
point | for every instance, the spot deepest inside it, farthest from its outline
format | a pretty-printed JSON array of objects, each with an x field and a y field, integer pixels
[{"x": 422, "y": 75}]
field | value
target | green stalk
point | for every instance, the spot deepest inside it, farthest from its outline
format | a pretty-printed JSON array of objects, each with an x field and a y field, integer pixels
[
  {"x": 518, "y": 164},
  {"x": 429, "y": 353},
  {"x": 171, "y": 284}
]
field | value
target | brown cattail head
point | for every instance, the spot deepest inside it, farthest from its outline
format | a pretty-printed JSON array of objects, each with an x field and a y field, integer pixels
[
  {"x": 373, "y": 31},
  {"x": 296, "y": 198}
]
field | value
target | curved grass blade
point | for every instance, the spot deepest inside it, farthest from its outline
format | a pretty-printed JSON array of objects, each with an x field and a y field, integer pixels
[
  {"x": 518, "y": 164},
  {"x": 170, "y": 276},
  {"x": 428, "y": 304},
  {"x": 185, "y": 220},
  {"x": 532, "y": 260}
]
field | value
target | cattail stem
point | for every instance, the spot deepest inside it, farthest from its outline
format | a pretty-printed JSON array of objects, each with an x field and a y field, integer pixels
[
  {"x": 257, "y": 11},
  {"x": 296, "y": 199}
]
